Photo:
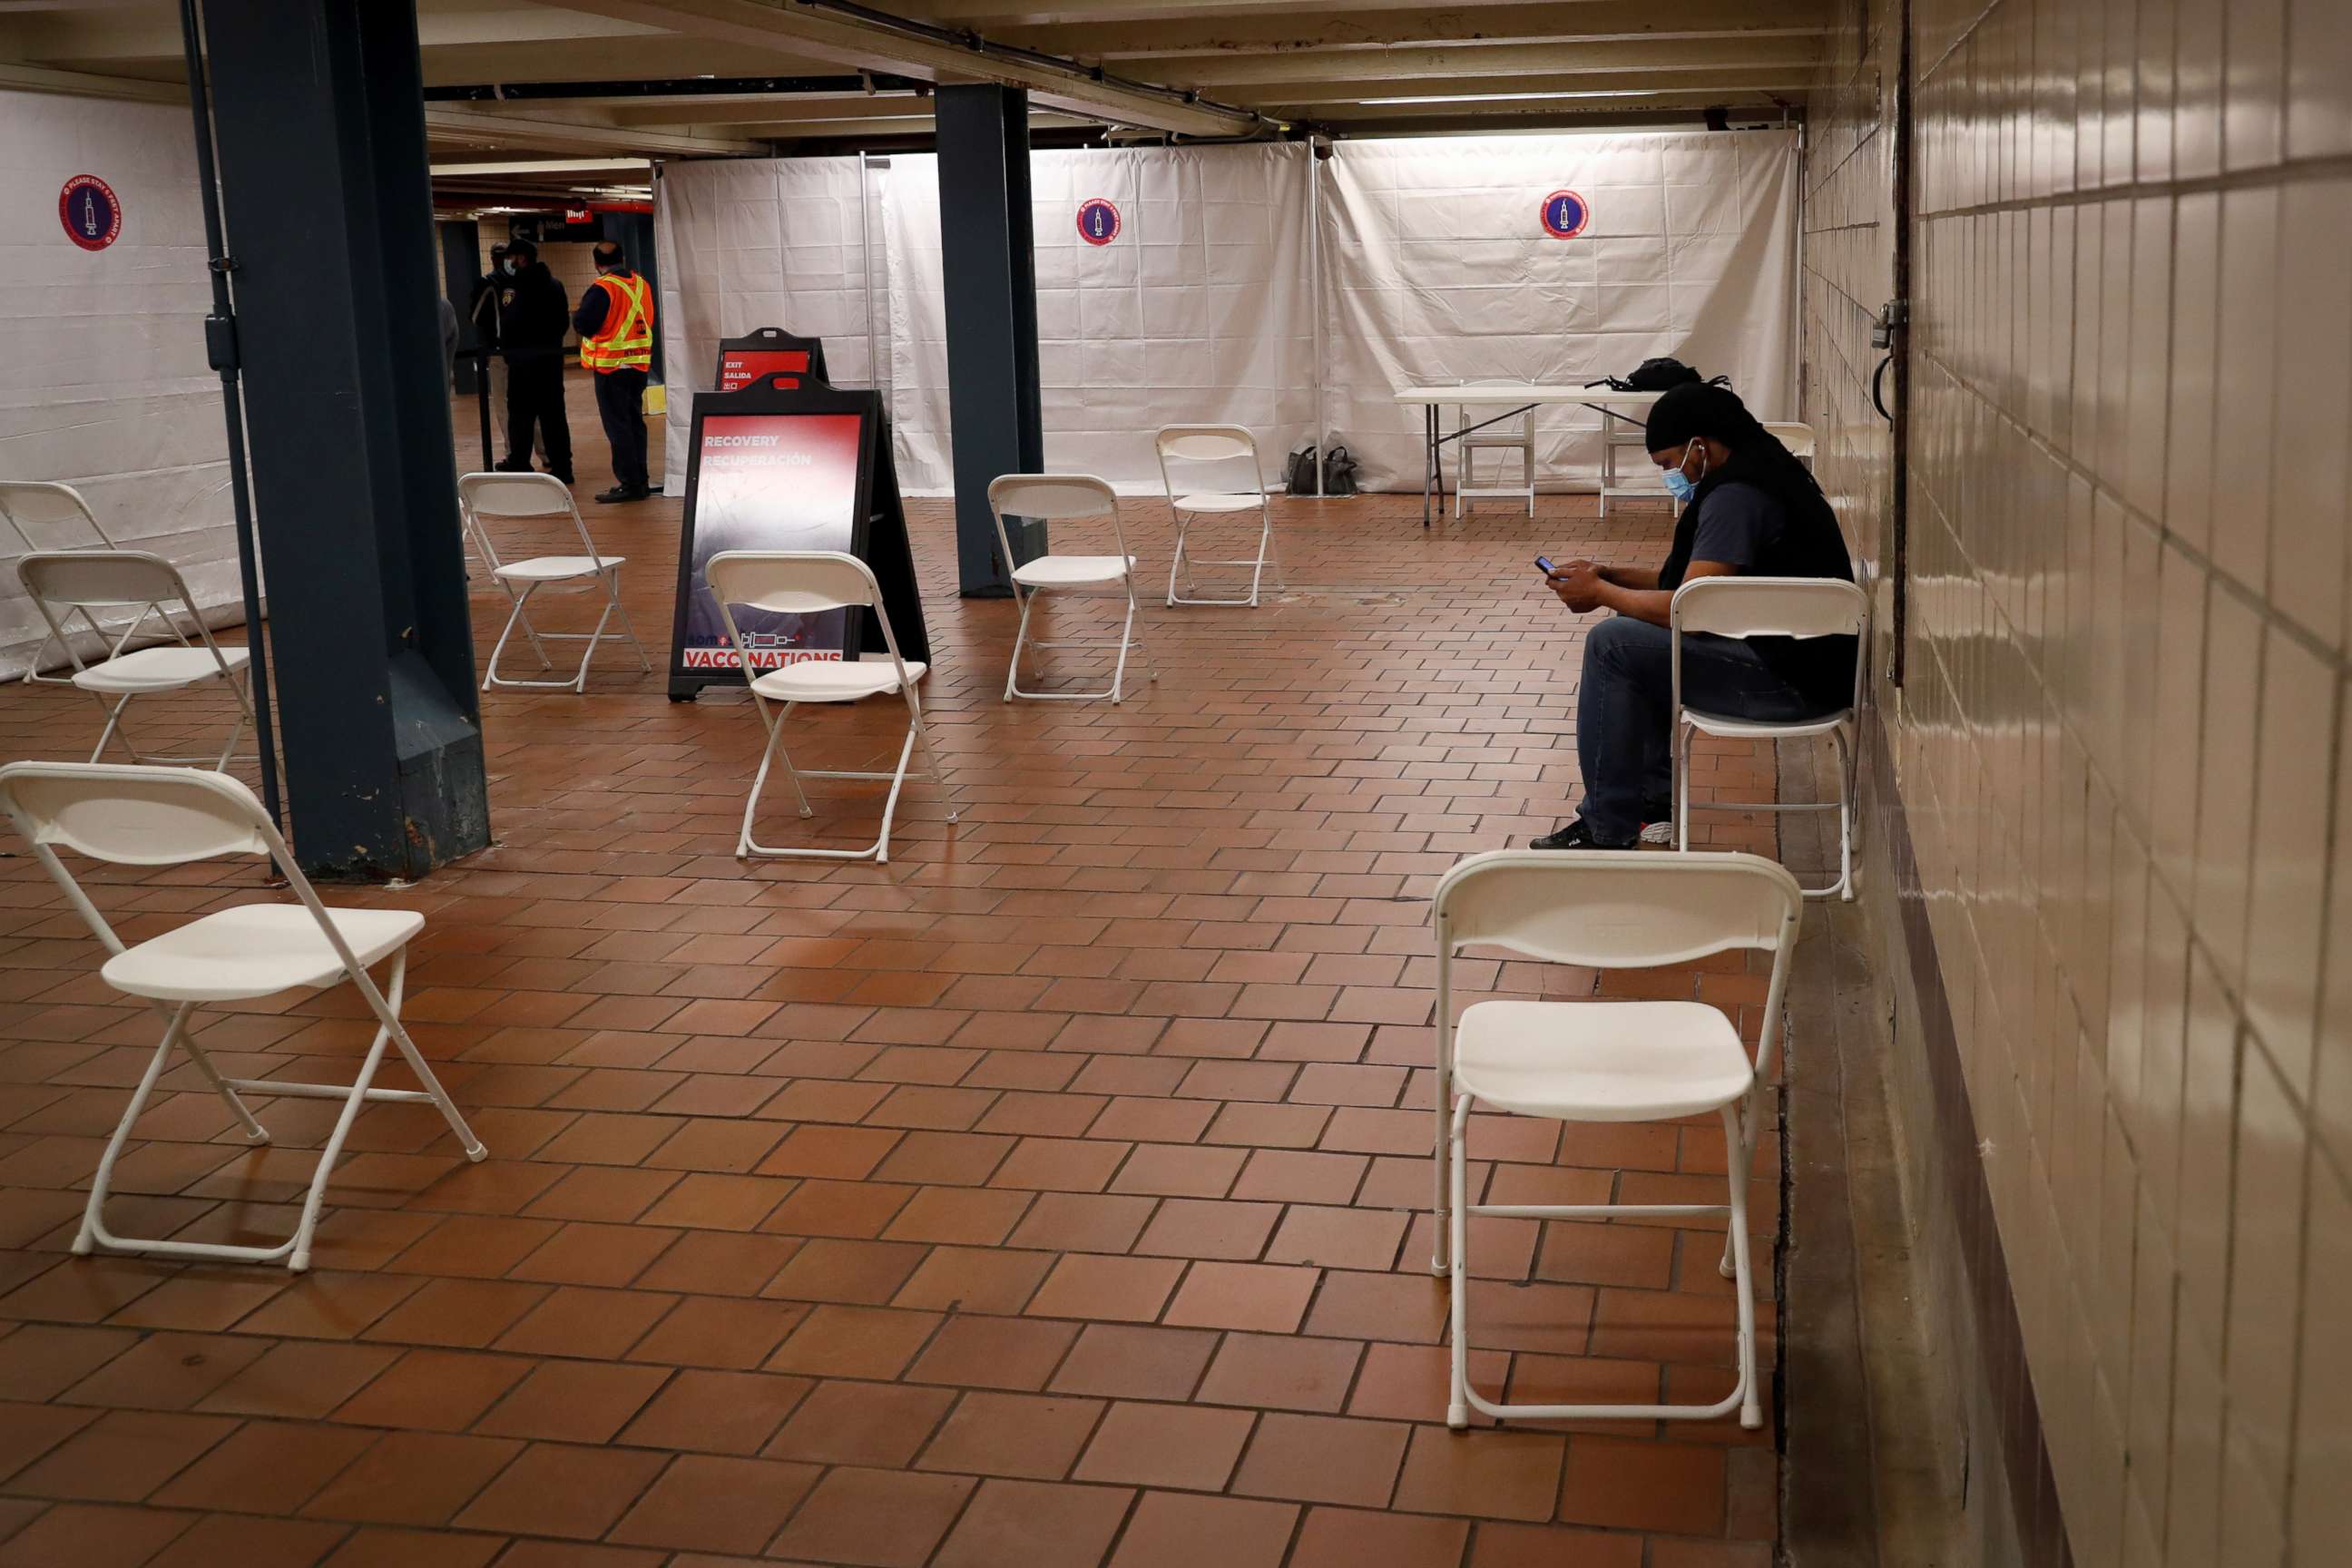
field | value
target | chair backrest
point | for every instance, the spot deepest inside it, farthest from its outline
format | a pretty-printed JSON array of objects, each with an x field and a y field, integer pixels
[
  {"x": 1051, "y": 497},
  {"x": 133, "y": 814},
  {"x": 1771, "y": 606},
  {"x": 1616, "y": 908},
  {"x": 1767, "y": 606},
  {"x": 481, "y": 496},
  {"x": 1500, "y": 422},
  {"x": 798, "y": 583},
  {"x": 27, "y": 504},
  {"x": 792, "y": 581},
  {"x": 93, "y": 579},
  {"x": 1217, "y": 459},
  {"x": 142, "y": 814},
  {"x": 1795, "y": 435},
  {"x": 87, "y": 580}
]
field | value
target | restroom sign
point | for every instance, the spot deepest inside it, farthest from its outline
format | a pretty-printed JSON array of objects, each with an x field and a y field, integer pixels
[
  {"x": 1097, "y": 221},
  {"x": 1565, "y": 215},
  {"x": 90, "y": 215}
]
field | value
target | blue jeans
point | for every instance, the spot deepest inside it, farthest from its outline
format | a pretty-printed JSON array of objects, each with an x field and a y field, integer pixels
[{"x": 1624, "y": 718}]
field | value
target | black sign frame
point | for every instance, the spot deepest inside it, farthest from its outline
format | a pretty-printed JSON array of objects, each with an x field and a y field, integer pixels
[
  {"x": 878, "y": 530},
  {"x": 769, "y": 341}
]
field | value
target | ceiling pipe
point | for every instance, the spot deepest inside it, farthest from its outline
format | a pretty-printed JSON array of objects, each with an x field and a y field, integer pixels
[
  {"x": 966, "y": 39},
  {"x": 675, "y": 87}
]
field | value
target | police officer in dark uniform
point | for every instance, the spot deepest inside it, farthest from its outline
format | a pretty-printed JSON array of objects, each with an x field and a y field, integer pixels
[{"x": 533, "y": 315}]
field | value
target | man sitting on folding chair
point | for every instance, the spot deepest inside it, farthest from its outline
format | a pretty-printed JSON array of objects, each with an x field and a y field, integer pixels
[{"x": 1748, "y": 509}]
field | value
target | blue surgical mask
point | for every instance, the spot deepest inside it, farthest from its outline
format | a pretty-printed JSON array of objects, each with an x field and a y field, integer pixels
[{"x": 1680, "y": 485}]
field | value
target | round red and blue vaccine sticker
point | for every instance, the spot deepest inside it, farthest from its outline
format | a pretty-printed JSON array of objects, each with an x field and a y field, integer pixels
[
  {"x": 90, "y": 214},
  {"x": 1097, "y": 221},
  {"x": 1565, "y": 215}
]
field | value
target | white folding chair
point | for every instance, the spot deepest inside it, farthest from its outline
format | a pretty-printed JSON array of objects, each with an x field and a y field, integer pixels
[
  {"x": 1478, "y": 429},
  {"x": 1797, "y": 437},
  {"x": 27, "y": 505},
  {"x": 87, "y": 580},
  {"x": 1604, "y": 1061},
  {"x": 1771, "y": 606},
  {"x": 1212, "y": 461},
  {"x": 1063, "y": 497},
  {"x": 126, "y": 816},
  {"x": 807, "y": 583},
  {"x": 481, "y": 496},
  {"x": 1619, "y": 435}
]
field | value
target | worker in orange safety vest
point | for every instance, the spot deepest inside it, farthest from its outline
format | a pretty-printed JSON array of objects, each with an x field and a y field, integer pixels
[{"x": 615, "y": 323}]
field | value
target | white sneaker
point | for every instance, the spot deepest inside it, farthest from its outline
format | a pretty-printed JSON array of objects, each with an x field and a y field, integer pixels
[{"x": 1658, "y": 832}]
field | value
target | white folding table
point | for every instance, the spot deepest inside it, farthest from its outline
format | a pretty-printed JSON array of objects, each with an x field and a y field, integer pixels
[{"x": 1509, "y": 402}]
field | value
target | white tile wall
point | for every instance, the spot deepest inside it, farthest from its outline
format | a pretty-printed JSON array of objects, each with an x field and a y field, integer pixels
[{"x": 2119, "y": 738}]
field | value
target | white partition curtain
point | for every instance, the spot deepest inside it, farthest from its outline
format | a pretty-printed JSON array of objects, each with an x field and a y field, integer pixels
[
  {"x": 768, "y": 242},
  {"x": 1198, "y": 311},
  {"x": 105, "y": 384},
  {"x": 1434, "y": 264},
  {"x": 1438, "y": 268}
]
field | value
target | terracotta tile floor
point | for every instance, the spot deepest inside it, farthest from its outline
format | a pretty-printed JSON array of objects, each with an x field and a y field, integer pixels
[{"x": 1049, "y": 1196}]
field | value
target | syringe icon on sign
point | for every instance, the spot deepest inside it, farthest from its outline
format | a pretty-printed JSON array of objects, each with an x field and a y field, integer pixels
[{"x": 90, "y": 213}]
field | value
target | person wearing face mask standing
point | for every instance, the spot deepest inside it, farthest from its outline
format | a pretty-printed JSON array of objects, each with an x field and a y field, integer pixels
[
  {"x": 493, "y": 293},
  {"x": 534, "y": 315},
  {"x": 615, "y": 323},
  {"x": 1748, "y": 508}
]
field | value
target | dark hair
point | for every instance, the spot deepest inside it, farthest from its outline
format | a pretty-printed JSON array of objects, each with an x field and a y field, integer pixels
[
  {"x": 609, "y": 253},
  {"x": 1698, "y": 408},
  {"x": 524, "y": 248}
]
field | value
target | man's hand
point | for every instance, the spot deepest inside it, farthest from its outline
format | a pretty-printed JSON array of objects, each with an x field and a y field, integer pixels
[{"x": 1579, "y": 584}]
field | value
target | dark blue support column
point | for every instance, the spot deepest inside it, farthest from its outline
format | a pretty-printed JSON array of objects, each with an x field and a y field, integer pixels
[
  {"x": 992, "y": 310},
  {"x": 320, "y": 119}
]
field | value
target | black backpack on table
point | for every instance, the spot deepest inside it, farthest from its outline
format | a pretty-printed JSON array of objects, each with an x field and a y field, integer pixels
[{"x": 1657, "y": 375}]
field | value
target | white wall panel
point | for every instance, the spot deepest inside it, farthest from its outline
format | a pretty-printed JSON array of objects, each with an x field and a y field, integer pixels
[{"x": 105, "y": 385}]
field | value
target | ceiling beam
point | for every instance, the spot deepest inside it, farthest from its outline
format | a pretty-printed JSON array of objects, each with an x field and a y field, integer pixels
[
  {"x": 81, "y": 84},
  {"x": 985, "y": 14},
  {"x": 153, "y": 31},
  {"x": 1271, "y": 29},
  {"x": 823, "y": 35},
  {"x": 1307, "y": 99},
  {"x": 639, "y": 167},
  {"x": 1687, "y": 103},
  {"x": 735, "y": 110},
  {"x": 1649, "y": 59},
  {"x": 486, "y": 128}
]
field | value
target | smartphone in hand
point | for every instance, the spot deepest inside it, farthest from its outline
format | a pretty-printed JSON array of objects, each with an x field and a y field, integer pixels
[{"x": 1544, "y": 565}]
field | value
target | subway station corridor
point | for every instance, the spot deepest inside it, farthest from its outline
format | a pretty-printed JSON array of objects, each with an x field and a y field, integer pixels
[{"x": 1056, "y": 1194}]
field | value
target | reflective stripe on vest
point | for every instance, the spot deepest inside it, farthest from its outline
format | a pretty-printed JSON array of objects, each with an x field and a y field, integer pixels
[{"x": 625, "y": 341}]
